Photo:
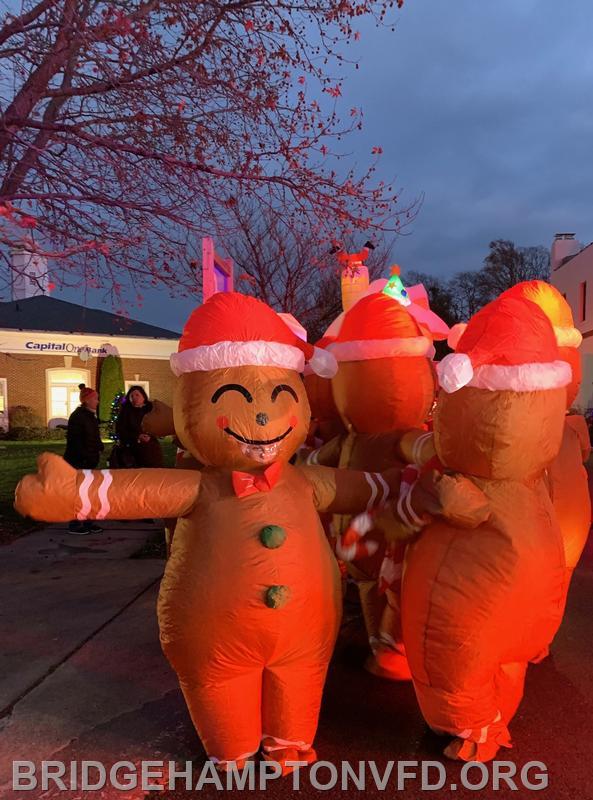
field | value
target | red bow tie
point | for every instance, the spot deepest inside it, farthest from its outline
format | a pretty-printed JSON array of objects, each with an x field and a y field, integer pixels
[{"x": 244, "y": 483}]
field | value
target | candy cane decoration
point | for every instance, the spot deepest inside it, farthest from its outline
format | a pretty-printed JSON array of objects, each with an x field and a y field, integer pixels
[{"x": 351, "y": 545}]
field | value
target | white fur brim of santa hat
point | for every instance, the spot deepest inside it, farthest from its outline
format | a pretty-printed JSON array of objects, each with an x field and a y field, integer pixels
[
  {"x": 252, "y": 353},
  {"x": 456, "y": 371},
  {"x": 368, "y": 349}
]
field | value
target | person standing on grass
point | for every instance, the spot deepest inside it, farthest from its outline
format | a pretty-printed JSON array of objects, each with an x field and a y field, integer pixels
[
  {"x": 140, "y": 448},
  {"x": 84, "y": 446}
]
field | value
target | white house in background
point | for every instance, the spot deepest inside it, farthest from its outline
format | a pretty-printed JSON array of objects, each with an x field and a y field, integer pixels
[{"x": 572, "y": 274}]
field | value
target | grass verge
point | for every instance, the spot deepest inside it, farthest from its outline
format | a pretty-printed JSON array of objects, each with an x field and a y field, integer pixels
[{"x": 18, "y": 459}]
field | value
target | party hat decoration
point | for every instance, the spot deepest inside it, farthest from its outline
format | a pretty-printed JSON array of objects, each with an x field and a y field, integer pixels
[{"x": 395, "y": 288}]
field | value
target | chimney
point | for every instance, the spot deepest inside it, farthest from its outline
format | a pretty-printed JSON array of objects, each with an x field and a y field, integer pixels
[
  {"x": 29, "y": 274},
  {"x": 564, "y": 246}
]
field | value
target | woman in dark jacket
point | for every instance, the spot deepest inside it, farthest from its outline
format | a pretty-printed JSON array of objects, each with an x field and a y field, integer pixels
[{"x": 138, "y": 449}]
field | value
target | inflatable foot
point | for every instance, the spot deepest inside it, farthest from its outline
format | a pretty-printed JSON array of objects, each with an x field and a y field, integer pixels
[
  {"x": 239, "y": 763},
  {"x": 480, "y": 745},
  {"x": 286, "y": 755},
  {"x": 541, "y": 656},
  {"x": 390, "y": 665}
]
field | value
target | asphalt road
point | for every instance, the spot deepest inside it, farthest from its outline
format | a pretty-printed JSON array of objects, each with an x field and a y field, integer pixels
[{"x": 114, "y": 698}]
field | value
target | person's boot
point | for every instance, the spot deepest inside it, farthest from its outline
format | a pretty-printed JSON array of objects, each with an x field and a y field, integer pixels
[{"x": 77, "y": 528}]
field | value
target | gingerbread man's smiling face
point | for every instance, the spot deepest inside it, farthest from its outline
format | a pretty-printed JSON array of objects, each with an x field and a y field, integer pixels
[{"x": 241, "y": 417}]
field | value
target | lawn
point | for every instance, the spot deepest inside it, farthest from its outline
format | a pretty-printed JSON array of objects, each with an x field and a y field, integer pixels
[{"x": 19, "y": 458}]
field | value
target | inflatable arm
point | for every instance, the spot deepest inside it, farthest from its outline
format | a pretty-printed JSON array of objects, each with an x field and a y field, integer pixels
[
  {"x": 328, "y": 455},
  {"x": 579, "y": 425},
  {"x": 416, "y": 447},
  {"x": 159, "y": 421},
  {"x": 59, "y": 493},
  {"x": 346, "y": 491}
]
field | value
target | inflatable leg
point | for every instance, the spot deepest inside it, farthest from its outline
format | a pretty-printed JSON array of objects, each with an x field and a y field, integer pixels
[
  {"x": 390, "y": 653},
  {"x": 291, "y": 700},
  {"x": 372, "y": 603},
  {"x": 226, "y": 712},
  {"x": 471, "y": 714},
  {"x": 510, "y": 682}
]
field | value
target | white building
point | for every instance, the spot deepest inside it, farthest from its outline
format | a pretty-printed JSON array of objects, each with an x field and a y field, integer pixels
[{"x": 572, "y": 274}]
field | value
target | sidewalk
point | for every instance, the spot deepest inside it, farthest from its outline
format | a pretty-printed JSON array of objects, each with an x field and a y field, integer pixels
[{"x": 79, "y": 639}]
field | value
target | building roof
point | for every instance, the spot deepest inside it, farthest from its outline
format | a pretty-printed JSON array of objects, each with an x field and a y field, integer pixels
[
  {"x": 43, "y": 313},
  {"x": 575, "y": 255}
]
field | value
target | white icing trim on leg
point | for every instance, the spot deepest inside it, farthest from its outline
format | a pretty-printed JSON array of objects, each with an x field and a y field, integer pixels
[
  {"x": 83, "y": 493},
  {"x": 225, "y": 762},
  {"x": 387, "y": 638},
  {"x": 280, "y": 744},
  {"x": 103, "y": 489}
]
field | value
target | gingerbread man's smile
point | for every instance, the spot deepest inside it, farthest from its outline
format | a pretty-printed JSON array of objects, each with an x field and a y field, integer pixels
[{"x": 260, "y": 442}]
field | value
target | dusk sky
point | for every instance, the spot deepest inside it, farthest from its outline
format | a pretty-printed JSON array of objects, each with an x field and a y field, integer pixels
[{"x": 485, "y": 108}]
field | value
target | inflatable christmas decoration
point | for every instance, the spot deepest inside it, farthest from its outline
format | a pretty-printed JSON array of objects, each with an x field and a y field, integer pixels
[
  {"x": 385, "y": 384},
  {"x": 355, "y": 275},
  {"x": 250, "y": 603},
  {"x": 566, "y": 475},
  {"x": 478, "y": 605},
  {"x": 325, "y": 418},
  {"x": 415, "y": 298}
]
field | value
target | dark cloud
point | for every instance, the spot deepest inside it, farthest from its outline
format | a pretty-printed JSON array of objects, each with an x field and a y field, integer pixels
[{"x": 485, "y": 109}]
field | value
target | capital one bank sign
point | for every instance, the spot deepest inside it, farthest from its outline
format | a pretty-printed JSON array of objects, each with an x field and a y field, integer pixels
[
  {"x": 84, "y": 346},
  {"x": 71, "y": 348}
]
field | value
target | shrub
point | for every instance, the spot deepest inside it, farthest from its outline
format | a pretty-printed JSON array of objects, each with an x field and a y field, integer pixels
[
  {"x": 111, "y": 383},
  {"x": 22, "y": 434},
  {"x": 23, "y": 417}
]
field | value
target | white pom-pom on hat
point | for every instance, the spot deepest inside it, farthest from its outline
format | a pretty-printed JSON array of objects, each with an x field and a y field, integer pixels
[
  {"x": 455, "y": 371},
  {"x": 323, "y": 363},
  {"x": 568, "y": 337}
]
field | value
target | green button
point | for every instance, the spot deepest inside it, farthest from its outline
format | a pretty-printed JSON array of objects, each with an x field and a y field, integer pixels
[
  {"x": 272, "y": 536},
  {"x": 277, "y": 596}
]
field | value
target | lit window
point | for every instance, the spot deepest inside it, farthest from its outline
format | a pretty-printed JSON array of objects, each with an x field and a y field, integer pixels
[
  {"x": 3, "y": 399},
  {"x": 583, "y": 301},
  {"x": 63, "y": 394}
]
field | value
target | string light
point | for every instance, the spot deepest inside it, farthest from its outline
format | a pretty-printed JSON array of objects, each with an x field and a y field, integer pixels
[{"x": 115, "y": 408}]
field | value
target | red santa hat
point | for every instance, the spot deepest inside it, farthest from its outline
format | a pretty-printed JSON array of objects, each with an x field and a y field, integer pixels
[
  {"x": 377, "y": 326},
  {"x": 509, "y": 345},
  {"x": 234, "y": 330},
  {"x": 555, "y": 307}
]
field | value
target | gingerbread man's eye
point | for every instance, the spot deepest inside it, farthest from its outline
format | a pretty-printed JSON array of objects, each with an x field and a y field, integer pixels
[
  {"x": 232, "y": 387},
  {"x": 283, "y": 387}
]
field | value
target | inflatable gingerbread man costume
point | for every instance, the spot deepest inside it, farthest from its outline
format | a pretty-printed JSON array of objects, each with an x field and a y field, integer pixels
[
  {"x": 478, "y": 605},
  {"x": 385, "y": 385},
  {"x": 567, "y": 477},
  {"x": 250, "y": 601}
]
